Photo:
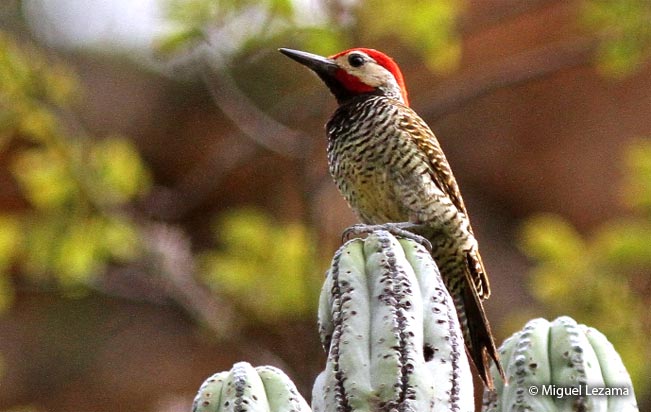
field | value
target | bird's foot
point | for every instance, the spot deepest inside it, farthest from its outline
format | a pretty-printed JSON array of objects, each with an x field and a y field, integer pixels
[{"x": 396, "y": 229}]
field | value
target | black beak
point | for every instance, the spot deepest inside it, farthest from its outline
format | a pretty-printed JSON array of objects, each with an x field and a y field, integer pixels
[
  {"x": 325, "y": 68},
  {"x": 322, "y": 66}
]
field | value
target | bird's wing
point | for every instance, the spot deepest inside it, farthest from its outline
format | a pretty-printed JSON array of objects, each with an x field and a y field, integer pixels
[
  {"x": 420, "y": 132},
  {"x": 412, "y": 125}
]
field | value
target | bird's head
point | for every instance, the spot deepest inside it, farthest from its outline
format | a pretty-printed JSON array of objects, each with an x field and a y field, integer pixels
[{"x": 355, "y": 72}]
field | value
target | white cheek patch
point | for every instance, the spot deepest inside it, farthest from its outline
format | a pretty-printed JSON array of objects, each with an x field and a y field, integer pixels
[
  {"x": 370, "y": 73},
  {"x": 373, "y": 74}
]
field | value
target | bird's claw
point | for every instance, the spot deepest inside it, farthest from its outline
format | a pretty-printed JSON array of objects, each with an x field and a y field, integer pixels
[
  {"x": 396, "y": 229},
  {"x": 358, "y": 230}
]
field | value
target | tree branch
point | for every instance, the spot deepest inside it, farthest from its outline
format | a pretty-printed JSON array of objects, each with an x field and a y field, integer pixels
[
  {"x": 455, "y": 93},
  {"x": 170, "y": 253},
  {"x": 202, "y": 180},
  {"x": 499, "y": 15},
  {"x": 255, "y": 124}
]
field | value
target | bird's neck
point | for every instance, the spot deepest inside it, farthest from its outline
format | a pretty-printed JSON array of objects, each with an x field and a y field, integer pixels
[{"x": 345, "y": 96}]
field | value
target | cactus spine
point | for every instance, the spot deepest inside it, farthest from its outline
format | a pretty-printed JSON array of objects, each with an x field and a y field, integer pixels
[
  {"x": 559, "y": 356},
  {"x": 248, "y": 389},
  {"x": 391, "y": 331}
]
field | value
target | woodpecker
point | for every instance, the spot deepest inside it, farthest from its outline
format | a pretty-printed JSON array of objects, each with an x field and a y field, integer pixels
[{"x": 389, "y": 166}]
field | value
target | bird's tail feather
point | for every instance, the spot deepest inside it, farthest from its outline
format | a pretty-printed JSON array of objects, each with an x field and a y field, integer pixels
[{"x": 477, "y": 333}]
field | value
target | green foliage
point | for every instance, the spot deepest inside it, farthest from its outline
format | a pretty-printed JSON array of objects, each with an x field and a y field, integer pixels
[
  {"x": 28, "y": 83},
  {"x": 193, "y": 21},
  {"x": 321, "y": 40},
  {"x": 9, "y": 239},
  {"x": 74, "y": 186},
  {"x": 118, "y": 171},
  {"x": 268, "y": 268},
  {"x": 625, "y": 27},
  {"x": 426, "y": 26},
  {"x": 188, "y": 20},
  {"x": 603, "y": 279},
  {"x": 637, "y": 192}
]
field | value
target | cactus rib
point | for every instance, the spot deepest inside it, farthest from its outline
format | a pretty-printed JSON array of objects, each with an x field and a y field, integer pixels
[
  {"x": 248, "y": 389},
  {"x": 391, "y": 332},
  {"x": 563, "y": 362}
]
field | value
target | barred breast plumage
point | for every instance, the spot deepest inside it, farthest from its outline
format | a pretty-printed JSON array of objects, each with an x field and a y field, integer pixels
[{"x": 389, "y": 166}]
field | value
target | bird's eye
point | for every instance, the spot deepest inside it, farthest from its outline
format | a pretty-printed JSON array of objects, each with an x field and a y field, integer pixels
[{"x": 356, "y": 60}]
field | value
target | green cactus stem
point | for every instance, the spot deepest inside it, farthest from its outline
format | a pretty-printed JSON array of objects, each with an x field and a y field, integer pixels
[
  {"x": 248, "y": 389},
  {"x": 560, "y": 366},
  {"x": 391, "y": 332}
]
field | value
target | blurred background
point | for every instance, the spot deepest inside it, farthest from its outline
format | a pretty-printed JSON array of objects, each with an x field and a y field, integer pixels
[{"x": 165, "y": 206}]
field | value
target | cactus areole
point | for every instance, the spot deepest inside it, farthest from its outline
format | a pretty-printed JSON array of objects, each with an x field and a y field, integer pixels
[
  {"x": 561, "y": 366},
  {"x": 391, "y": 332},
  {"x": 248, "y": 389}
]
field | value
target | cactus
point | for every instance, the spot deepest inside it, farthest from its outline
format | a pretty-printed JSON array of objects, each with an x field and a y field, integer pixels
[
  {"x": 244, "y": 388},
  {"x": 394, "y": 343},
  {"x": 391, "y": 332},
  {"x": 558, "y": 366}
]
